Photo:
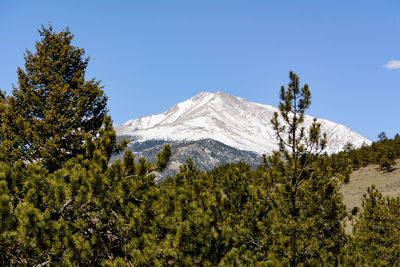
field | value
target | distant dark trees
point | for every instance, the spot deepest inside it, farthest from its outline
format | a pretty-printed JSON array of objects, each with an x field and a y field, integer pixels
[{"x": 383, "y": 153}]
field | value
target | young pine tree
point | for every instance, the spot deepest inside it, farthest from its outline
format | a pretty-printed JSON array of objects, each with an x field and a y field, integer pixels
[
  {"x": 386, "y": 155},
  {"x": 377, "y": 230},
  {"x": 53, "y": 110}
]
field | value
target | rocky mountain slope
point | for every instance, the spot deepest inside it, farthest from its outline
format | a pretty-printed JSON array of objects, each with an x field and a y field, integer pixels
[{"x": 217, "y": 128}]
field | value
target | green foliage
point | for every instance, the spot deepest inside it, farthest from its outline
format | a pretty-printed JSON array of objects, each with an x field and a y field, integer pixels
[
  {"x": 376, "y": 231},
  {"x": 163, "y": 158},
  {"x": 386, "y": 156},
  {"x": 301, "y": 187},
  {"x": 53, "y": 110},
  {"x": 87, "y": 212},
  {"x": 215, "y": 218}
]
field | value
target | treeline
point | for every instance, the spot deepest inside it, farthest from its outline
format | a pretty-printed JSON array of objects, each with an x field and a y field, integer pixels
[
  {"x": 382, "y": 153},
  {"x": 63, "y": 203}
]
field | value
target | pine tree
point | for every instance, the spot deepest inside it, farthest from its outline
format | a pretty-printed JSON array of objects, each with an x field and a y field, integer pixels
[
  {"x": 86, "y": 213},
  {"x": 54, "y": 110},
  {"x": 396, "y": 141},
  {"x": 385, "y": 155},
  {"x": 382, "y": 136},
  {"x": 386, "y": 163},
  {"x": 301, "y": 187},
  {"x": 377, "y": 230},
  {"x": 2, "y": 111}
]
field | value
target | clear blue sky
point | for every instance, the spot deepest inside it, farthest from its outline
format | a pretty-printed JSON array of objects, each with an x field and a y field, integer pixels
[{"x": 151, "y": 55}]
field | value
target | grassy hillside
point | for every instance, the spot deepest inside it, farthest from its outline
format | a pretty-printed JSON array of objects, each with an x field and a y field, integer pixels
[{"x": 387, "y": 182}]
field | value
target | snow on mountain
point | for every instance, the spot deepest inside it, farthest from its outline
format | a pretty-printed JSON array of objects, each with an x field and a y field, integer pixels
[{"x": 230, "y": 120}]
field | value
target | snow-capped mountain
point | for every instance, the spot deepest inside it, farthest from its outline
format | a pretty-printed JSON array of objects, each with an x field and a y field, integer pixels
[{"x": 232, "y": 121}]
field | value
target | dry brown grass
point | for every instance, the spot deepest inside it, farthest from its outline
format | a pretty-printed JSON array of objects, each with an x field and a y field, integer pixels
[{"x": 387, "y": 182}]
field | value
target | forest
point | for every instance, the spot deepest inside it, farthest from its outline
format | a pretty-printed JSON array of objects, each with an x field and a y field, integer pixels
[{"x": 64, "y": 203}]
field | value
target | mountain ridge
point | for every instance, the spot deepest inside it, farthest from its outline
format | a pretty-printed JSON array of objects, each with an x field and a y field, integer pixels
[
  {"x": 206, "y": 154},
  {"x": 228, "y": 119}
]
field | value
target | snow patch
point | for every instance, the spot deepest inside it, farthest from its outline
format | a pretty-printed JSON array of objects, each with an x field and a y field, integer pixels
[{"x": 230, "y": 120}]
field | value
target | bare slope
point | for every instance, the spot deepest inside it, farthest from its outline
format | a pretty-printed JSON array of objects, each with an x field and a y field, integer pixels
[{"x": 387, "y": 182}]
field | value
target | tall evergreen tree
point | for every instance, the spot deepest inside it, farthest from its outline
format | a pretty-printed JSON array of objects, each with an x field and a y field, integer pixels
[
  {"x": 86, "y": 213},
  {"x": 54, "y": 109},
  {"x": 301, "y": 187}
]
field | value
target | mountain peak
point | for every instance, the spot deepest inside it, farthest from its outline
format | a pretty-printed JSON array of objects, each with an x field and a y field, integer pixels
[
  {"x": 207, "y": 97},
  {"x": 228, "y": 119}
]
